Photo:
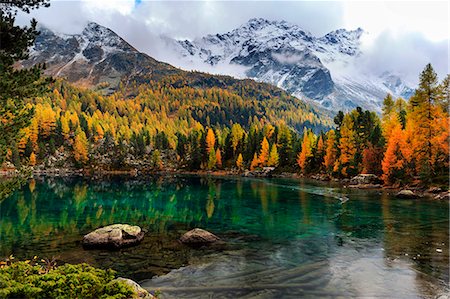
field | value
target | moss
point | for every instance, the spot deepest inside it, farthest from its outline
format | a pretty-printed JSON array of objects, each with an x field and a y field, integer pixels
[{"x": 28, "y": 279}]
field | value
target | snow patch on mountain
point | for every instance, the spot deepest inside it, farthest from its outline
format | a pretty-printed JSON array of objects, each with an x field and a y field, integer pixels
[{"x": 328, "y": 70}]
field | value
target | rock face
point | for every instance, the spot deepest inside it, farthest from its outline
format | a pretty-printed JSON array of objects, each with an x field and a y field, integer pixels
[
  {"x": 199, "y": 236},
  {"x": 114, "y": 236},
  {"x": 364, "y": 179},
  {"x": 406, "y": 194},
  {"x": 96, "y": 57},
  {"x": 140, "y": 292},
  {"x": 323, "y": 69}
]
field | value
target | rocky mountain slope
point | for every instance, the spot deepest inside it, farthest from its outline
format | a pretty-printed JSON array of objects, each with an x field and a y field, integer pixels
[
  {"x": 322, "y": 69},
  {"x": 99, "y": 59},
  {"x": 95, "y": 56}
]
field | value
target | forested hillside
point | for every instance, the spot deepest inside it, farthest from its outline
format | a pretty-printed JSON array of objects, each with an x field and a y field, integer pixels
[{"x": 188, "y": 123}]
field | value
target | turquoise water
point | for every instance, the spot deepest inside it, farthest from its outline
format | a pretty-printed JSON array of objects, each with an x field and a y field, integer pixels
[{"x": 283, "y": 238}]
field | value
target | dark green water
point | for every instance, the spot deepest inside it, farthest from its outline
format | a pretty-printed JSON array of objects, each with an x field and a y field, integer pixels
[{"x": 284, "y": 238}]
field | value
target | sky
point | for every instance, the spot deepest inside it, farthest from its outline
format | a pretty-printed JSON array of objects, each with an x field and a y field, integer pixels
[{"x": 402, "y": 35}]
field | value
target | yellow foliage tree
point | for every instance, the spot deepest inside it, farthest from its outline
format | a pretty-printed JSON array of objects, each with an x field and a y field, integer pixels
[
  {"x": 264, "y": 153},
  {"x": 273, "y": 156},
  {"x": 218, "y": 159},
  {"x": 80, "y": 147},
  {"x": 32, "y": 159},
  {"x": 210, "y": 140},
  {"x": 240, "y": 162},
  {"x": 255, "y": 162}
]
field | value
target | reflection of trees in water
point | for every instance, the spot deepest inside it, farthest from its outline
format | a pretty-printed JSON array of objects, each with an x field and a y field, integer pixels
[{"x": 54, "y": 211}]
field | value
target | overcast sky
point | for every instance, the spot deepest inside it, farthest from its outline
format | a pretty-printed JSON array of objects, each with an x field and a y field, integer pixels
[{"x": 402, "y": 35}]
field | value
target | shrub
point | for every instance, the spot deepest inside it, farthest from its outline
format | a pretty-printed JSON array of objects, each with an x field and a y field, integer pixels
[{"x": 29, "y": 279}]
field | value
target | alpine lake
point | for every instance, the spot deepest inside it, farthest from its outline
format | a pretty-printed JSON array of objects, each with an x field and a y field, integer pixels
[{"x": 283, "y": 238}]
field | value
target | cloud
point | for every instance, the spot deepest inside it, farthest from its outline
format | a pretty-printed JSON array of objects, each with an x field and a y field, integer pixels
[
  {"x": 402, "y": 37},
  {"x": 405, "y": 54},
  {"x": 287, "y": 58}
]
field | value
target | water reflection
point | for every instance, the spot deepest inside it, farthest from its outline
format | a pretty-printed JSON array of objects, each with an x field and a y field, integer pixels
[{"x": 370, "y": 245}]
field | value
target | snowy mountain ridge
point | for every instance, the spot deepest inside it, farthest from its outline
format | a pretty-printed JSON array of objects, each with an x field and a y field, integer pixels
[{"x": 322, "y": 69}]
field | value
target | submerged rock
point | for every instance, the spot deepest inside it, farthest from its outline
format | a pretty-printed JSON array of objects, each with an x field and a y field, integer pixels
[
  {"x": 199, "y": 236},
  {"x": 406, "y": 194},
  {"x": 114, "y": 236},
  {"x": 140, "y": 292}
]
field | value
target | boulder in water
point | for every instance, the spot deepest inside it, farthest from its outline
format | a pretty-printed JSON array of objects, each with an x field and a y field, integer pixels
[
  {"x": 114, "y": 236},
  {"x": 199, "y": 236},
  {"x": 407, "y": 194}
]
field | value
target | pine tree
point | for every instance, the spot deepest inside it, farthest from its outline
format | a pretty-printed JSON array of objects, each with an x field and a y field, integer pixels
[{"x": 16, "y": 85}]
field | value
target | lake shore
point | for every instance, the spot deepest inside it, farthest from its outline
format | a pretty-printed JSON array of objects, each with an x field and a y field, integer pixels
[
  {"x": 375, "y": 183},
  {"x": 418, "y": 191}
]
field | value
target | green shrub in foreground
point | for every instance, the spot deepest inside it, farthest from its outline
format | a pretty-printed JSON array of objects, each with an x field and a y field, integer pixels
[{"x": 25, "y": 279}]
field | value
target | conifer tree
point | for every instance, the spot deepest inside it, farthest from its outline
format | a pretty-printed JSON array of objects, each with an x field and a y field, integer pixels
[
  {"x": 330, "y": 151},
  {"x": 264, "y": 153},
  {"x": 255, "y": 162},
  {"x": 80, "y": 147},
  {"x": 17, "y": 85},
  {"x": 240, "y": 162},
  {"x": 32, "y": 159},
  {"x": 273, "y": 156},
  {"x": 347, "y": 147},
  {"x": 212, "y": 160},
  {"x": 218, "y": 158}
]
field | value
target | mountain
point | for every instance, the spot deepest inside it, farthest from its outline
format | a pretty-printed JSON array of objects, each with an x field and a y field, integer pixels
[
  {"x": 95, "y": 56},
  {"x": 99, "y": 59},
  {"x": 321, "y": 69}
]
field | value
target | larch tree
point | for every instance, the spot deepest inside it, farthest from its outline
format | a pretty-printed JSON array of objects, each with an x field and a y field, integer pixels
[
  {"x": 255, "y": 162},
  {"x": 32, "y": 159},
  {"x": 264, "y": 153},
  {"x": 331, "y": 152},
  {"x": 240, "y": 162},
  {"x": 212, "y": 160},
  {"x": 393, "y": 161},
  {"x": 218, "y": 158},
  {"x": 422, "y": 122},
  {"x": 210, "y": 140},
  {"x": 273, "y": 156},
  {"x": 306, "y": 153},
  {"x": 347, "y": 147},
  {"x": 80, "y": 147}
]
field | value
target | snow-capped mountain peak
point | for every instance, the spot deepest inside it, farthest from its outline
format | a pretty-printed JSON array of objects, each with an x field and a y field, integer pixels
[{"x": 323, "y": 69}]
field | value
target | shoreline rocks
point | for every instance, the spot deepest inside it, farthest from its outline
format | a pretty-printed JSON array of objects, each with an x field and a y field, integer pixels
[
  {"x": 140, "y": 292},
  {"x": 198, "y": 237},
  {"x": 407, "y": 194},
  {"x": 365, "y": 179},
  {"x": 113, "y": 236}
]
